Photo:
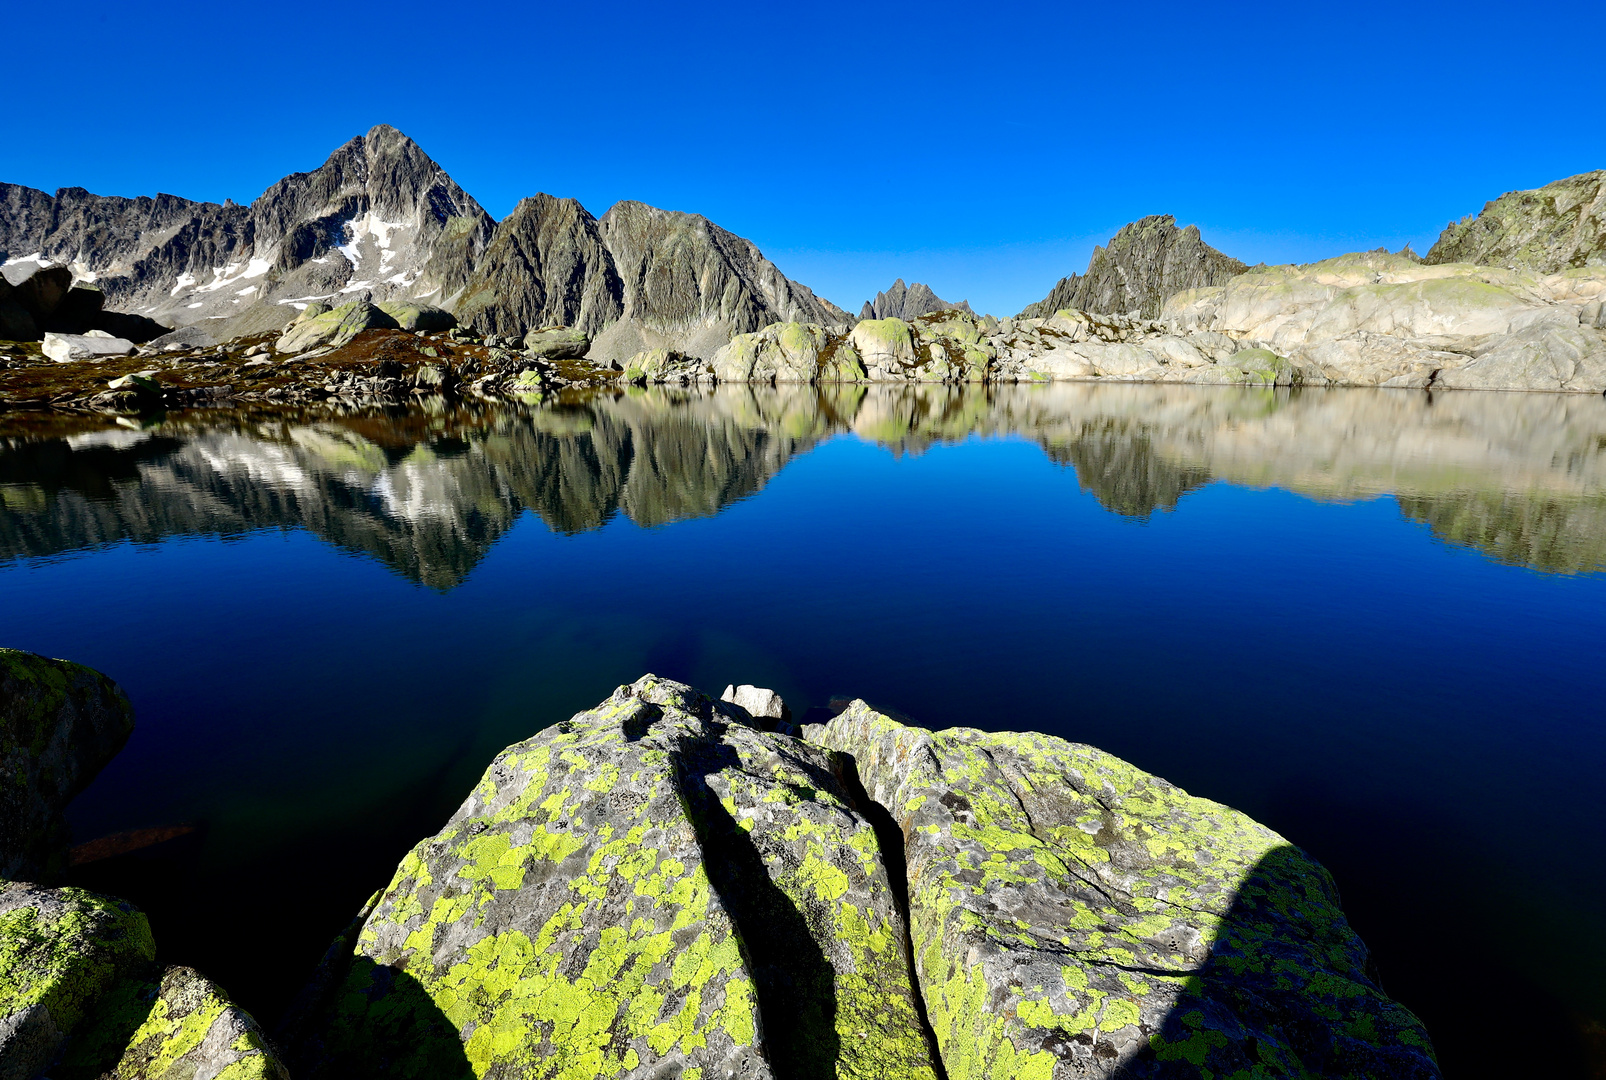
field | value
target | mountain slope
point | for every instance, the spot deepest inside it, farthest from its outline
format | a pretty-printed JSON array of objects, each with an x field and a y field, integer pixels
[
  {"x": 1550, "y": 229},
  {"x": 546, "y": 265},
  {"x": 691, "y": 285},
  {"x": 377, "y": 216},
  {"x": 1145, "y": 263}
]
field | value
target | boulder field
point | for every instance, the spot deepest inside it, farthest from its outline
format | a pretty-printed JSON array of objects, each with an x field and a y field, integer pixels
[
  {"x": 1370, "y": 319},
  {"x": 672, "y": 885}
]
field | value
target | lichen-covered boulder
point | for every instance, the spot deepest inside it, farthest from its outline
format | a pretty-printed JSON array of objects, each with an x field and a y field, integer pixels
[
  {"x": 61, "y": 952},
  {"x": 557, "y": 343},
  {"x": 780, "y": 352},
  {"x": 666, "y": 366},
  {"x": 886, "y": 347},
  {"x": 334, "y": 328},
  {"x": 179, "y": 1027},
  {"x": 652, "y": 888},
  {"x": 417, "y": 317},
  {"x": 60, "y": 723},
  {"x": 1073, "y": 916}
]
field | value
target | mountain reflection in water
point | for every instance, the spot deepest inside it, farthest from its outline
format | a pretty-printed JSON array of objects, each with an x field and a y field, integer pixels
[{"x": 1520, "y": 477}]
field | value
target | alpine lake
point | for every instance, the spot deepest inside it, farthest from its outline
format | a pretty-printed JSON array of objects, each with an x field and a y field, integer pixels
[{"x": 1373, "y": 620}]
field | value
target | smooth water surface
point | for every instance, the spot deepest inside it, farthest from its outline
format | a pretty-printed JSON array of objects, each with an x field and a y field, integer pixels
[{"x": 1372, "y": 620}]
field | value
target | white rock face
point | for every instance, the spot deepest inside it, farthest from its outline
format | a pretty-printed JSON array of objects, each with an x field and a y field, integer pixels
[
  {"x": 64, "y": 348},
  {"x": 757, "y": 701}
]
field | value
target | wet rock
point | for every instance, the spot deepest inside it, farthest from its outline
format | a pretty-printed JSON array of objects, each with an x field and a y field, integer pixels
[
  {"x": 61, "y": 952},
  {"x": 650, "y": 888},
  {"x": 65, "y": 348},
  {"x": 60, "y": 723},
  {"x": 1076, "y": 917}
]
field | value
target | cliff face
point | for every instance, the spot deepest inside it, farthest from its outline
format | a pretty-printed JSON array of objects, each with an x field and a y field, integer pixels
[
  {"x": 1554, "y": 228},
  {"x": 546, "y": 265},
  {"x": 1145, "y": 264}
]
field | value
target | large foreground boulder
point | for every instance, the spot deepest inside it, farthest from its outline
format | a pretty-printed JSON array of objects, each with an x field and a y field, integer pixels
[
  {"x": 1073, "y": 916},
  {"x": 669, "y": 885},
  {"x": 652, "y": 888},
  {"x": 418, "y": 317},
  {"x": 60, "y": 723}
]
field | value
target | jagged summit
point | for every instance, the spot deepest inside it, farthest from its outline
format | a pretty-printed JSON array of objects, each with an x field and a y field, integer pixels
[
  {"x": 380, "y": 218},
  {"x": 1549, "y": 229},
  {"x": 1144, "y": 264},
  {"x": 908, "y": 302}
]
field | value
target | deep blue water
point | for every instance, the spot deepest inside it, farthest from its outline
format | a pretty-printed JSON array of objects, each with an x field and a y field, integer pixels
[{"x": 1373, "y": 626}]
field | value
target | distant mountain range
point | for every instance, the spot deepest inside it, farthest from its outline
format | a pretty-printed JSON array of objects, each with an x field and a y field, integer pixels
[{"x": 380, "y": 219}]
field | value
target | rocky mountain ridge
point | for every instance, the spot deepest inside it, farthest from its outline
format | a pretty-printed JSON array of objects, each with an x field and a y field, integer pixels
[
  {"x": 908, "y": 302},
  {"x": 379, "y": 220},
  {"x": 1143, "y": 266}
]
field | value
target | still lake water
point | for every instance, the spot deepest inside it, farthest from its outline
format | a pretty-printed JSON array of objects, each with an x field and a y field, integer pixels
[{"x": 1373, "y": 620}]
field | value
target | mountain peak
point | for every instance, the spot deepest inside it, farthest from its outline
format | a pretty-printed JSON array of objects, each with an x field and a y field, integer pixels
[{"x": 1145, "y": 262}]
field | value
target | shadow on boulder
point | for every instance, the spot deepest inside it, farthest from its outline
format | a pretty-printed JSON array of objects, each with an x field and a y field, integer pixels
[
  {"x": 796, "y": 985},
  {"x": 1281, "y": 993},
  {"x": 381, "y": 1023}
]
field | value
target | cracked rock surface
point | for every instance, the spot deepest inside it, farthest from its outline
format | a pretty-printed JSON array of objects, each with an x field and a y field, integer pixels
[{"x": 1073, "y": 916}]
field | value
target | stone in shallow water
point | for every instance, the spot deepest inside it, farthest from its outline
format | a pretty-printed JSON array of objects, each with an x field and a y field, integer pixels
[
  {"x": 1073, "y": 916},
  {"x": 650, "y": 888}
]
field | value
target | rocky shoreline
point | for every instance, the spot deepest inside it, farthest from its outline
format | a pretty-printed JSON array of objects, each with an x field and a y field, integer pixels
[
  {"x": 305, "y": 293},
  {"x": 672, "y": 885}
]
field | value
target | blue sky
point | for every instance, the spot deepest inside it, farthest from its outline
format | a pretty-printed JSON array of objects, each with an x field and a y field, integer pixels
[{"x": 983, "y": 149}]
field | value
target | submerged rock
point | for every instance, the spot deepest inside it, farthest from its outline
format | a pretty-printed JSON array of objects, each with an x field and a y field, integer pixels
[
  {"x": 1073, "y": 916},
  {"x": 60, "y": 723},
  {"x": 651, "y": 888}
]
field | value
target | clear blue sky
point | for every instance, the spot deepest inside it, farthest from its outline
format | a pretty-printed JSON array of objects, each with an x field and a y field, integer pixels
[{"x": 981, "y": 148}]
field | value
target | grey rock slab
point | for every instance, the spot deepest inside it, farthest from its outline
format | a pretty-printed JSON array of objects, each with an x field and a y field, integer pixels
[
  {"x": 1073, "y": 916},
  {"x": 65, "y": 348}
]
